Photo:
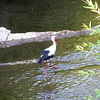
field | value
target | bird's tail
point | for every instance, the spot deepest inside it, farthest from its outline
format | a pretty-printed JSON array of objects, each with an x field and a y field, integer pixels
[{"x": 40, "y": 61}]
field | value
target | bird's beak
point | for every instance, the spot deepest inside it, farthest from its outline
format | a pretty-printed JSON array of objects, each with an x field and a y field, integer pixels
[{"x": 57, "y": 40}]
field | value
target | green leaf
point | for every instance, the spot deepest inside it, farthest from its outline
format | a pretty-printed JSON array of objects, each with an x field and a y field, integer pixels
[
  {"x": 98, "y": 57},
  {"x": 99, "y": 11},
  {"x": 98, "y": 95},
  {"x": 97, "y": 90},
  {"x": 91, "y": 71},
  {"x": 87, "y": 7},
  {"x": 98, "y": 17},
  {"x": 96, "y": 5},
  {"x": 85, "y": 44},
  {"x": 90, "y": 46},
  {"x": 85, "y": 26},
  {"x": 94, "y": 11},
  {"x": 83, "y": 72},
  {"x": 78, "y": 47},
  {"x": 98, "y": 30},
  {"x": 85, "y": 1},
  {"x": 90, "y": 98},
  {"x": 98, "y": 41},
  {"x": 90, "y": 24},
  {"x": 85, "y": 76}
]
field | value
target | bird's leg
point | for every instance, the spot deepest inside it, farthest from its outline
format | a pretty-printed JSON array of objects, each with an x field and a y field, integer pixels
[
  {"x": 46, "y": 68},
  {"x": 52, "y": 66}
]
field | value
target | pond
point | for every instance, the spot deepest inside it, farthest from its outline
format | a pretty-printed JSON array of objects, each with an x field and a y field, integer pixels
[
  {"x": 42, "y": 15},
  {"x": 30, "y": 82}
]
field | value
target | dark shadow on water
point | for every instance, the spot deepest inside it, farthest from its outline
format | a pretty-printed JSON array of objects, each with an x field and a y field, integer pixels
[{"x": 42, "y": 15}]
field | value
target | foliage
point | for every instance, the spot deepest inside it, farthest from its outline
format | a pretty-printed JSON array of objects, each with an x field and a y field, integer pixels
[
  {"x": 94, "y": 8},
  {"x": 90, "y": 48},
  {"x": 92, "y": 98},
  {"x": 95, "y": 31},
  {"x": 90, "y": 73},
  {"x": 91, "y": 6}
]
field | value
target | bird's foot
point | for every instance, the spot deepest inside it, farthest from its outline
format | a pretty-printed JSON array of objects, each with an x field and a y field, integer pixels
[{"x": 53, "y": 67}]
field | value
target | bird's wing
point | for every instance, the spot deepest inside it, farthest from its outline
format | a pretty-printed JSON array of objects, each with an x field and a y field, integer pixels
[{"x": 43, "y": 56}]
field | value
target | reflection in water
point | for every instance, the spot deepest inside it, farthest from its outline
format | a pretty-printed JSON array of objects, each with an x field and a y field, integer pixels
[{"x": 42, "y": 15}]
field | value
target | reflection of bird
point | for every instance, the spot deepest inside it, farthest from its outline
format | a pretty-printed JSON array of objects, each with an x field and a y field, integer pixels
[{"x": 48, "y": 53}]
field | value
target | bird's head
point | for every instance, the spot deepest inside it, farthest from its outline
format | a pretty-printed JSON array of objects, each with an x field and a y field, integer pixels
[{"x": 53, "y": 38}]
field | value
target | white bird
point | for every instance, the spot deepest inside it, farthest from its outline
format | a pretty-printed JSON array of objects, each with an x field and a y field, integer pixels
[{"x": 49, "y": 53}]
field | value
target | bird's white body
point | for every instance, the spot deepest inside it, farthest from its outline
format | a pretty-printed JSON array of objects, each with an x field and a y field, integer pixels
[
  {"x": 48, "y": 52},
  {"x": 52, "y": 49}
]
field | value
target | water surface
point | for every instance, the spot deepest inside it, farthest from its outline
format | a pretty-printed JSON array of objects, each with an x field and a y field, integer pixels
[
  {"x": 30, "y": 82},
  {"x": 42, "y": 15}
]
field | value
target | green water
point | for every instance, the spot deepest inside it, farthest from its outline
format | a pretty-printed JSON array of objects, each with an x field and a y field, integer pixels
[
  {"x": 42, "y": 15},
  {"x": 30, "y": 82}
]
